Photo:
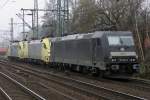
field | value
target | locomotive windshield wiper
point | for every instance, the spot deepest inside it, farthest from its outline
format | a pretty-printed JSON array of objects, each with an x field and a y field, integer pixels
[{"x": 121, "y": 41}]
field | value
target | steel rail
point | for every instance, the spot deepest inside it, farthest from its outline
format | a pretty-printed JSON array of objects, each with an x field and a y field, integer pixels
[
  {"x": 144, "y": 81},
  {"x": 98, "y": 87},
  {"x": 87, "y": 84},
  {"x": 81, "y": 82},
  {"x": 53, "y": 89},
  {"x": 38, "y": 97},
  {"x": 5, "y": 94},
  {"x": 61, "y": 83}
]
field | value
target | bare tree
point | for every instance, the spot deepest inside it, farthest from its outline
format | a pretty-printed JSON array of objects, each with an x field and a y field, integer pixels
[
  {"x": 105, "y": 15},
  {"x": 84, "y": 16},
  {"x": 49, "y": 20}
]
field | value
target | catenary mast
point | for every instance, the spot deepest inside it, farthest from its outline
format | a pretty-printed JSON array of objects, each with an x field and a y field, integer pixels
[{"x": 35, "y": 20}]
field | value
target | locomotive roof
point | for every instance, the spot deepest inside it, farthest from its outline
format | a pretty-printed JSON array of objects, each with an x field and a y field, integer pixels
[
  {"x": 14, "y": 44},
  {"x": 97, "y": 34},
  {"x": 35, "y": 41}
]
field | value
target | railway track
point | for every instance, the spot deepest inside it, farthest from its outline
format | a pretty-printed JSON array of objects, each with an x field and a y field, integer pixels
[
  {"x": 84, "y": 87},
  {"x": 56, "y": 92},
  {"x": 42, "y": 89},
  {"x": 138, "y": 84},
  {"x": 4, "y": 95},
  {"x": 140, "y": 81},
  {"x": 16, "y": 90}
]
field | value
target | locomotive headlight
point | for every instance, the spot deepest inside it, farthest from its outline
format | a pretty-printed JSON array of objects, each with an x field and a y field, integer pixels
[
  {"x": 114, "y": 60},
  {"x": 115, "y": 67},
  {"x": 133, "y": 60},
  {"x": 136, "y": 67}
]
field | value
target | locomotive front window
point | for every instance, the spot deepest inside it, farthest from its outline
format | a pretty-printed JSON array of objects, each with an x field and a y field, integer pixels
[
  {"x": 114, "y": 40},
  {"x": 120, "y": 40},
  {"x": 126, "y": 40}
]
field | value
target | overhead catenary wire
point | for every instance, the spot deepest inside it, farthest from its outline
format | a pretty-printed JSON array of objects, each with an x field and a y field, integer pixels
[{"x": 5, "y": 3}]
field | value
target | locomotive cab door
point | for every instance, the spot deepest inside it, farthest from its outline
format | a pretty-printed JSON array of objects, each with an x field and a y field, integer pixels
[
  {"x": 97, "y": 54},
  {"x": 98, "y": 65},
  {"x": 94, "y": 47}
]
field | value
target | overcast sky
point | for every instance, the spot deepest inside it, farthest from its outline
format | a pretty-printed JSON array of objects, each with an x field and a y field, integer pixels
[{"x": 9, "y": 8}]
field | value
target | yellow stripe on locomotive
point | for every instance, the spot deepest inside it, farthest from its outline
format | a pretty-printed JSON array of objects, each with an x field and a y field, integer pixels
[
  {"x": 20, "y": 49},
  {"x": 46, "y": 47},
  {"x": 23, "y": 49}
]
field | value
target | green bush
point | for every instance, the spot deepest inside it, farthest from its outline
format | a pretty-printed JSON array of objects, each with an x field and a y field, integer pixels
[{"x": 145, "y": 71}]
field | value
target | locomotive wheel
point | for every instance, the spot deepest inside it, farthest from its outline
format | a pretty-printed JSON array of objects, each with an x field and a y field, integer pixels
[
  {"x": 84, "y": 70},
  {"x": 101, "y": 74}
]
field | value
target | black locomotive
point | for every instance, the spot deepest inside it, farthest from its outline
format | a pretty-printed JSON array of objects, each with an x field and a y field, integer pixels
[{"x": 103, "y": 52}]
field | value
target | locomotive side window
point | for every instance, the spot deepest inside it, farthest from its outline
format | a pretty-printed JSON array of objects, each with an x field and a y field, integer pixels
[{"x": 127, "y": 40}]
